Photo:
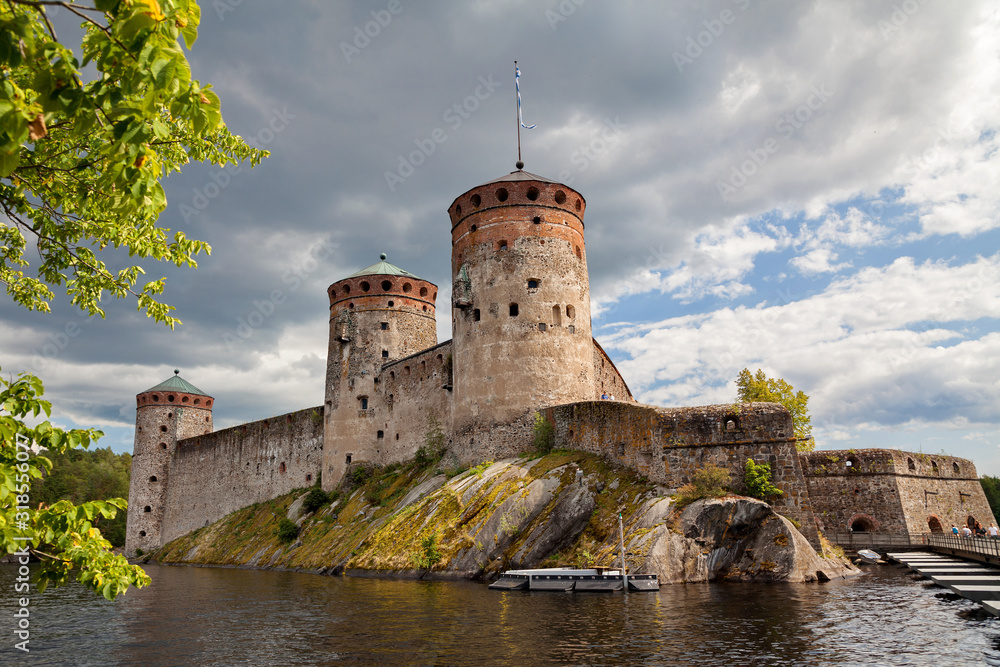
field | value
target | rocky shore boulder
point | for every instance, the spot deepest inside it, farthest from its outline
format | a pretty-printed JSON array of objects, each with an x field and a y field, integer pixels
[{"x": 734, "y": 539}]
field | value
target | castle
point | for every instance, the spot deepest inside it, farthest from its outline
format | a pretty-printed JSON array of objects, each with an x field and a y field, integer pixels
[{"x": 521, "y": 345}]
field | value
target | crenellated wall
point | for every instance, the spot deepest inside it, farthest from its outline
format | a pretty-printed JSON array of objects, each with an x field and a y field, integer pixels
[
  {"x": 892, "y": 491},
  {"x": 218, "y": 473}
]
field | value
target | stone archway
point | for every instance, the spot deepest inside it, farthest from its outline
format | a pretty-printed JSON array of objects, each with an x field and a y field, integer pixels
[
  {"x": 934, "y": 524},
  {"x": 862, "y": 523},
  {"x": 971, "y": 521}
]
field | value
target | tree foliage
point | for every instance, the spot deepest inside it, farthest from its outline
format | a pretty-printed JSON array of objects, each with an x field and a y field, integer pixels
[
  {"x": 84, "y": 141},
  {"x": 758, "y": 388},
  {"x": 82, "y": 154},
  {"x": 80, "y": 475},
  {"x": 991, "y": 487},
  {"x": 315, "y": 499},
  {"x": 757, "y": 479},
  {"x": 62, "y": 535},
  {"x": 710, "y": 481}
]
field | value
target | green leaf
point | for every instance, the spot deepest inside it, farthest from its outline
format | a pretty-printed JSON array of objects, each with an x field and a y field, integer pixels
[{"x": 9, "y": 162}]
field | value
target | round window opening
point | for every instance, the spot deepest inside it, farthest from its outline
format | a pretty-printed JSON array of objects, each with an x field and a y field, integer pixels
[{"x": 502, "y": 194}]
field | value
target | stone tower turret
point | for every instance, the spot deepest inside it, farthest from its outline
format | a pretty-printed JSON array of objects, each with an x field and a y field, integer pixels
[
  {"x": 172, "y": 410},
  {"x": 378, "y": 315},
  {"x": 521, "y": 301}
]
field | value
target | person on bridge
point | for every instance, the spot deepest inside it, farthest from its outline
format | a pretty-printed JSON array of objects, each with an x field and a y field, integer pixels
[
  {"x": 966, "y": 531},
  {"x": 993, "y": 531},
  {"x": 954, "y": 529}
]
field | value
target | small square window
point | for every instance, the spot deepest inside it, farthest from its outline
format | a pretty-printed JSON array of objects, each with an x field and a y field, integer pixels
[
  {"x": 385, "y": 354},
  {"x": 532, "y": 284},
  {"x": 384, "y": 326},
  {"x": 364, "y": 402},
  {"x": 513, "y": 310},
  {"x": 475, "y": 315}
]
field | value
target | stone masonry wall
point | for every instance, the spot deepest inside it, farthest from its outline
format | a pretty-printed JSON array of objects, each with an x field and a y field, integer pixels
[
  {"x": 218, "y": 473},
  {"x": 668, "y": 445},
  {"x": 399, "y": 398},
  {"x": 607, "y": 377},
  {"x": 893, "y": 491}
]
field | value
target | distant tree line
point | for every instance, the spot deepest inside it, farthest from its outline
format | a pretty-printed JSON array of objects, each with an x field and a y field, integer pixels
[
  {"x": 80, "y": 475},
  {"x": 991, "y": 487}
]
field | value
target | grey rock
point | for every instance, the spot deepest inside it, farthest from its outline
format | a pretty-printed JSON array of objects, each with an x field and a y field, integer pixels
[
  {"x": 735, "y": 539},
  {"x": 568, "y": 518},
  {"x": 295, "y": 509}
]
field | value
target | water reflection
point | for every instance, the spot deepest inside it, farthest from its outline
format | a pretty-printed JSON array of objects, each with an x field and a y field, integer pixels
[{"x": 210, "y": 616}]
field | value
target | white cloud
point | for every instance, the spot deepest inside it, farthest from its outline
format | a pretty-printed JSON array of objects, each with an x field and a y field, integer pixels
[{"x": 862, "y": 348}]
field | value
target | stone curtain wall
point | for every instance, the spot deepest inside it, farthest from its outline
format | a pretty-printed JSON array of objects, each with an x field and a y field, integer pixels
[
  {"x": 420, "y": 385},
  {"x": 849, "y": 487},
  {"x": 607, "y": 377},
  {"x": 218, "y": 473},
  {"x": 892, "y": 491},
  {"x": 668, "y": 445}
]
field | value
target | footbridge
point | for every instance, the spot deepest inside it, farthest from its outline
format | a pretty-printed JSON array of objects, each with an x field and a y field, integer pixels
[{"x": 980, "y": 549}]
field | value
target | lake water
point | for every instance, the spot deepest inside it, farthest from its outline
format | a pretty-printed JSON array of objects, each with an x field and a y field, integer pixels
[{"x": 213, "y": 616}]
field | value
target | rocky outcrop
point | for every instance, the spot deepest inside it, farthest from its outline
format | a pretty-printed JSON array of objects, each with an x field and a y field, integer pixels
[
  {"x": 734, "y": 539},
  {"x": 560, "y": 510}
]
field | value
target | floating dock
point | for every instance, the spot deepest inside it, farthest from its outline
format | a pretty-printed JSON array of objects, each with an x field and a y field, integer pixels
[
  {"x": 979, "y": 583},
  {"x": 569, "y": 580}
]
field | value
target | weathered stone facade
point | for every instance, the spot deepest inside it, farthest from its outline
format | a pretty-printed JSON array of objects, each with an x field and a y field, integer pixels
[
  {"x": 668, "y": 445},
  {"x": 892, "y": 491},
  {"x": 521, "y": 345},
  {"x": 217, "y": 473}
]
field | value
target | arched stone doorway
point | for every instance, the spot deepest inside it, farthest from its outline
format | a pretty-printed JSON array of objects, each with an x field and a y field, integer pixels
[
  {"x": 934, "y": 523},
  {"x": 971, "y": 521},
  {"x": 862, "y": 523}
]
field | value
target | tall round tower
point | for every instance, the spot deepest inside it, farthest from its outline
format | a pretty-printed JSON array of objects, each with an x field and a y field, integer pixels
[
  {"x": 172, "y": 410},
  {"x": 521, "y": 300},
  {"x": 378, "y": 315}
]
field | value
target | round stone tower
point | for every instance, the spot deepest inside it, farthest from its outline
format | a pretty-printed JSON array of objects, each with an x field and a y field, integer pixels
[
  {"x": 521, "y": 301},
  {"x": 377, "y": 315},
  {"x": 172, "y": 410}
]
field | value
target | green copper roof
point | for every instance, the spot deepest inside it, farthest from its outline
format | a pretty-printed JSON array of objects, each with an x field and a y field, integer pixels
[
  {"x": 383, "y": 268},
  {"x": 176, "y": 383}
]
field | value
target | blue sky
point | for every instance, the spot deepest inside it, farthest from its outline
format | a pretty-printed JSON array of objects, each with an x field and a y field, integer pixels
[{"x": 809, "y": 188}]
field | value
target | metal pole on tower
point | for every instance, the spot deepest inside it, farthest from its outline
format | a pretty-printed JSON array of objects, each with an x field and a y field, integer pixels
[{"x": 517, "y": 112}]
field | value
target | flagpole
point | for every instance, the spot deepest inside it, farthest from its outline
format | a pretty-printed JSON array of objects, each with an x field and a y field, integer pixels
[{"x": 517, "y": 114}]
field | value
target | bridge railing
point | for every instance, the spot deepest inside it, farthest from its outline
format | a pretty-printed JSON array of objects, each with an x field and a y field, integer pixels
[
  {"x": 987, "y": 546},
  {"x": 859, "y": 540}
]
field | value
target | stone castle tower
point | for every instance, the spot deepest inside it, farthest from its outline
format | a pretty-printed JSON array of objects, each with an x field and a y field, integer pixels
[
  {"x": 378, "y": 315},
  {"x": 172, "y": 410},
  {"x": 521, "y": 297}
]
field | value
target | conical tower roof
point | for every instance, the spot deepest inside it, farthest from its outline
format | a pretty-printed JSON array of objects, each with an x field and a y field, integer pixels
[
  {"x": 521, "y": 175},
  {"x": 383, "y": 268},
  {"x": 179, "y": 384}
]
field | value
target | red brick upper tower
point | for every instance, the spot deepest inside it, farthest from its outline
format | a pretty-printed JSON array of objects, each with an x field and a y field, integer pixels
[
  {"x": 377, "y": 315},
  {"x": 521, "y": 300}
]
